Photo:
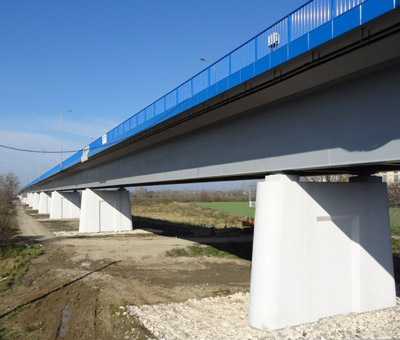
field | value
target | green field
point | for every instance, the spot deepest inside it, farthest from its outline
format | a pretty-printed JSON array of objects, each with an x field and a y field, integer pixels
[
  {"x": 395, "y": 220},
  {"x": 235, "y": 208},
  {"x": 242, "y": 209}
]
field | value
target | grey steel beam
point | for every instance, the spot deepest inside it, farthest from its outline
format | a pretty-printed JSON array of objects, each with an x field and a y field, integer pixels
[{"x": 349, "y": 123}]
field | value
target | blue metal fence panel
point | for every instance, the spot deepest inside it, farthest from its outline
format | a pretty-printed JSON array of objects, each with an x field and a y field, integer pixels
[
  {"x": 222, "y": 69},
  {"x": 243, "y": 56},
  {"x": 342, "y": 6},
  {"x": 201, "y": 81},
  {"x": 185, "y": 91},
  {"x": 309, "y": 17},
  {"x": 313, "y": 24}
]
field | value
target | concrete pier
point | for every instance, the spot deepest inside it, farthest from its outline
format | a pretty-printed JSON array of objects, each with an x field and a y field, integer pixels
[
  {"x": 104, "y": 210},
  {"x": 30, "y": 199},
  {"x": 44, "y": 203},
  {"x": 35, "y": 201},
  {"x": 65, "y": 205},
  {"x": 320, "y": 249}
]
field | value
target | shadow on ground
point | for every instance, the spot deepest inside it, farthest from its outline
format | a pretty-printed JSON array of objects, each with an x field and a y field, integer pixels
[{"x": 236, "y": 241}]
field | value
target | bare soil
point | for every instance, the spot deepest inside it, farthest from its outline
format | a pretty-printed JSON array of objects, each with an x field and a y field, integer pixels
[{"x": 68, "y": 292}]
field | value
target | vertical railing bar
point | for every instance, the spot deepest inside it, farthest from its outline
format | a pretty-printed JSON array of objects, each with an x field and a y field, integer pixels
[{"x": 255, "y": 49}]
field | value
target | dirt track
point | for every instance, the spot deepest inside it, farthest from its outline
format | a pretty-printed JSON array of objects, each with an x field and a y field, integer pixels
[{"x": 77, "y": 279}]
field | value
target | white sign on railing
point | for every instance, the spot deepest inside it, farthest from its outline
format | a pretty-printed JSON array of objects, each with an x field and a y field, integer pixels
[{"x": 273, "y": 40}]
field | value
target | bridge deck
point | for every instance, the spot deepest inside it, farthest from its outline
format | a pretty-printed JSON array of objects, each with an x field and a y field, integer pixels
[{"x": 252, "y": 75}]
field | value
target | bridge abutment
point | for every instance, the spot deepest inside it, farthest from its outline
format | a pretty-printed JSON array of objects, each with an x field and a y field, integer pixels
[
  {"x": 44, "y": 203},
  {"x": 105, "y": 210},
  {"x": 320, "y": 249},
  {"x": 65, "y": 205}
]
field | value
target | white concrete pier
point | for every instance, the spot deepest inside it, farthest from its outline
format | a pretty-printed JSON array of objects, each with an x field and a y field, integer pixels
[
  {"x": 35, "y": 201},
  {"x": 320, "y": 249},
  {"x": 104, "y": 210},
  {"x": 30, "y": 199},
  {"x": 44, "y": 203},
  {"x": 65, "y": 205}
]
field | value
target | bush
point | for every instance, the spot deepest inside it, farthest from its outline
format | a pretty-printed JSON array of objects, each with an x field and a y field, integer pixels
[
  {"x": 394, "y": 195},
  {"x": 8, "y": 187}
]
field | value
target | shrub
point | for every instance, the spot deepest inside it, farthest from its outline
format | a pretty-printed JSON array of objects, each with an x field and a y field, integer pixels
[{"x": 394, "y": 195}]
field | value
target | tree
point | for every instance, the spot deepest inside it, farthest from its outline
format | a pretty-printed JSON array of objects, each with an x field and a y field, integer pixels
[
  {"x": 328, "y": 178},
  {"x": 394, "y": 195},
  {"x": 9, "y": 184}
]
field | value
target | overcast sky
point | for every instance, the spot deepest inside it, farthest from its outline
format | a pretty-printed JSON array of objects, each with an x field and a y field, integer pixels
[{"x": 105, "y": 61}]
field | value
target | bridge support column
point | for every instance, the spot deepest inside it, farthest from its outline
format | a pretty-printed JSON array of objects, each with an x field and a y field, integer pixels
[
  {"x": 35, "y": 201},
  {"x": 30, "y": 199},
  {"x": 65, "y": 205},
  {"x": 104, "y": 210},
  {"x": 24, "y": 199},
  {"x": 320, "y": 249},
  {"x": 44, "y": 203}
]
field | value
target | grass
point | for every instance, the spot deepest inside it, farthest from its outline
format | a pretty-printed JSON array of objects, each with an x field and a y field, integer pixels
[
  {"x": 234, "y": 208},
  {"x": 197, "y": 251},
  {"x": 395, "y": 220},
  {"x": 127, "y": 326},
  {"x": 396, "y": 247},
  {"x": 184, "y": 213},
  {"x": 14, "y": 262}
]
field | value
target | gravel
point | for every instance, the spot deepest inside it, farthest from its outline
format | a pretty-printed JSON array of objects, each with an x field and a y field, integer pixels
[{"x": 226, "y": 318}]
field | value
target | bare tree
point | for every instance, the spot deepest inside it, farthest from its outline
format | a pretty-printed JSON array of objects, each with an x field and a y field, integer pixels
[
  {"x": 9, "y": 184},
  {"x": 328, "y": 178},
  {"x": 394, "y": 195},
  {"x": 8, "y": 187}
]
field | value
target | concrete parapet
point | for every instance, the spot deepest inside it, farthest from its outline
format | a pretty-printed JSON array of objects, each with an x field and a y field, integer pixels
[
  {"x": 104, "y": 210},
  {"x": 44, "y": 203},
  {"x": 65, "y": 205},
  {"x": 320, "y": 249}
]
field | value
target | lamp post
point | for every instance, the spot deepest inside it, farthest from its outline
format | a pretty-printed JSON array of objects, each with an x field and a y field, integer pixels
[
  {"x": 61, "y": 136},
  {"x": 215, "y": 70}
]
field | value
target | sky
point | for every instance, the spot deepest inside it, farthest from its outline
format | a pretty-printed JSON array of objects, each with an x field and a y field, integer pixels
[{"x": 105, "y": 60}]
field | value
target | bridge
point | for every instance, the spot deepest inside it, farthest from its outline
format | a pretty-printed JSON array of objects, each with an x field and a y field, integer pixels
[{"x": 315, "y": 93}]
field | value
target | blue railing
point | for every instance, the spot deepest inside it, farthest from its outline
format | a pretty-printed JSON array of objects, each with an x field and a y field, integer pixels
[{"x": 313, "y": 24}]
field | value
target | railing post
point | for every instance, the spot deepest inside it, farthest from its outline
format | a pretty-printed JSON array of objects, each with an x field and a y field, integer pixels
[
  {"x": 289, "y": 25},
  {"x": 209, "y": 77},
  {"x": 191, "y": 87},
  {"x": 255, "y": 48},
  {"x": 230, "y": 63},
  {"x": 333, "y": 7}
]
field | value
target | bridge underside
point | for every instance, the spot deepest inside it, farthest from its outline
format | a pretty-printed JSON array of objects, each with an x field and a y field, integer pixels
[{"x": 350, "y": 126}]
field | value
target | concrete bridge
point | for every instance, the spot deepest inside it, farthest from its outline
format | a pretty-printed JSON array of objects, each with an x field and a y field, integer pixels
[{"x": 315, "y": 93}]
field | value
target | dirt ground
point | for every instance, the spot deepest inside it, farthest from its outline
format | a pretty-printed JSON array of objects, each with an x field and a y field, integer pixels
[{"x": 67, "y": 293}]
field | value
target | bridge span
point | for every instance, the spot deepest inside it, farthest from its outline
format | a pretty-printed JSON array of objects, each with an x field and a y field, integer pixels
[{"x": 318, "y": 92}]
